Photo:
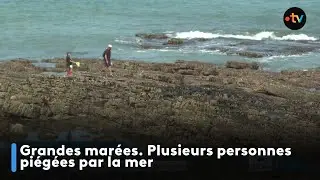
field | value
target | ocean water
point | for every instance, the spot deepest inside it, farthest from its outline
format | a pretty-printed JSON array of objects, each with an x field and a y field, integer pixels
[{"x": 38, "y": 29}]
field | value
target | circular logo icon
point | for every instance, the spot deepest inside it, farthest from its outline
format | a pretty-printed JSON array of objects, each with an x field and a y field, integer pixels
[{"x": 294, "y": 18}]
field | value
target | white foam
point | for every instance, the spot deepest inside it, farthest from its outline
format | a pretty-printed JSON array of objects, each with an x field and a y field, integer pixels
[
  {"x": 212, "y": 52},
  {"x": 297, "y": 37},
  {"x": 283, "y": 57},
  {"x": 123, "y": 41},
  {"x": 258, "y": 36},
  {"x": 166, "y": 50}
]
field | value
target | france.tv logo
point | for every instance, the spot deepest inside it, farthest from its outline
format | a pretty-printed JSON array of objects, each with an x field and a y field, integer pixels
[{"x": 294, "y": 18}]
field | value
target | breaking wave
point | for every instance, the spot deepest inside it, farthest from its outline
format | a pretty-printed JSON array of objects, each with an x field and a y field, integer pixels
[{"x": 258, "y": 36}]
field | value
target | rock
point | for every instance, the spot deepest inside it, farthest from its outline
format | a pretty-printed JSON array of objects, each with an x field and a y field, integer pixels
[
  {"x": 242, "y": 65},
  {"x": 309, "y": 104},
  {"x": 48, "y": 136},
  {"x": 180, "y": 61},
  {"x": 180, "y": 99},
  {"x": 3, "y": 94},
  {"x": 165, "y": 79},
  {"x": 174, "y": 41},
  {"x": 25, "y": 99},
  {"x": 226, "y": 81},
  {"x": 17, "y": 129},
  {"x": 193, "y": 110},
  {"x": 202, "y": 39},
  {"x": 132, "y": 100},
  {"x": 250, "y": 54},
  {"x": 152, "y": 36},
  {"x": 185, "y": 67},
  {"x": 211, "y": 71},
  {"x": 214, "y": 102},
  {"x": 13, "y": 97},
  {"x": 186, "y": 72},
  {"x": 21, "y": 109},
  {"x": 248, "y": 90},
  {"x": 312, "y": 89},
  {"x": 158, "y": 91},
  {"x": 255, "y": 66},
  {"x": 212, "y": 78},
  {"x": 141, "y": 105}
]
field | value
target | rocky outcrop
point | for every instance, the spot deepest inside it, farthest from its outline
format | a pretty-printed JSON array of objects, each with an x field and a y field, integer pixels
[
  {"x": 175, "y": 41},
  {"x": 152, "y": 36},
  {"x": 242, "y": 65},
  {"x": 250, "y": 54},
  {"x": 183, "y": 102}
]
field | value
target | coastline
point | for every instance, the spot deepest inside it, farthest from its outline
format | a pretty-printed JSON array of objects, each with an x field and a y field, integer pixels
[{"x": 184, "y": 102}]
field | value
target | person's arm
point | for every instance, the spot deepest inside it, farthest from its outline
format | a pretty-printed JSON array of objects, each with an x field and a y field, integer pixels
[
  {"x": 105, "y": 56},
  {"x": 71, "y": 60}
]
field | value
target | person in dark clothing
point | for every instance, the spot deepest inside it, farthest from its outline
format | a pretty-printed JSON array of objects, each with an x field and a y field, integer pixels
[
  {"x": 107, "y": 58},
  {"x": 69, "y": 64}
]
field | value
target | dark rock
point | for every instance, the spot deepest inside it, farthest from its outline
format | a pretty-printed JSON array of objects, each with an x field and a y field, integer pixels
[
  {"x": 152, "y": 36},
  {"x": 250, "y": 54},
  {"x": 242, "y": 65},
  {"x": 175, "y": 41},
  {"x": 212, "y": 71}
]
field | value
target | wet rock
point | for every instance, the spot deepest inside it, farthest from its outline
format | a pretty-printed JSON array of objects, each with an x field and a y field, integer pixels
[
  {"x": 174, "y": 41},
  {"x": 242, "y": 65},
  {"x": 152, "y": 36},
  {"x": 149, "y": 46},
  {"x": 250, "y": 54},
  {"x": 180, "y": 61},
  {"x": 202, "y": 39},
  {"x": 48, "y": 136},
  {"x": 17, "y": 129},
  {"x": 255, "y": 66}
]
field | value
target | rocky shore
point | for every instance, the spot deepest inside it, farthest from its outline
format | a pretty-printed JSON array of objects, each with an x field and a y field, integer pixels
[{"x": 182, "y": 102}]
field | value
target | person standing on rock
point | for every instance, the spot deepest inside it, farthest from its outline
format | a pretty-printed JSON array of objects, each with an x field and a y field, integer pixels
[
  {"x": 69, "y": 64},
  {"x": 107, "y": 58}
]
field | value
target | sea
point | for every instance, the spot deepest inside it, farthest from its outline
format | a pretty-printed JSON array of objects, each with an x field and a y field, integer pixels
[{"x": 213, "y": 31}]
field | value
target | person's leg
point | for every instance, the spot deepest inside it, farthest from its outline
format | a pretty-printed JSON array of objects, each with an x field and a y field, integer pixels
[
  {"x": 110, "y": 71},
  {"x": 108, "y": 66},
  {"x": 105, "y": 64},
  {"x": 69, "y": 72}
]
